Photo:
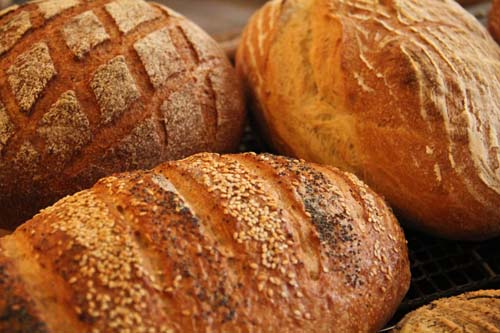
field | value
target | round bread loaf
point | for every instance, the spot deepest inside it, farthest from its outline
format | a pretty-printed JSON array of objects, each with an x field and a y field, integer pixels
[
  {"x": 232, "y": 243},
  {"x": 494, "y": 20},
  {"x": 474, "y": 312},
  {"x": 89, "y": 88},
  {"x": 405, "y": 94}
]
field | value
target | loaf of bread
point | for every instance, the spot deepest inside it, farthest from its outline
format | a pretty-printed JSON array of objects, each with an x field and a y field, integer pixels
[
  {"x": 405, "y": 94},
  {"x": 89, "y": 88},
  {"x": 494, "y": 20},
  {"x": 474, "y": 312},
  {"x": 231, "y": 243}
]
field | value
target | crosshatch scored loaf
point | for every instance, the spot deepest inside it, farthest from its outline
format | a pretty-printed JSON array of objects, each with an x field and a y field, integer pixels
[
  {"x": 406, "y": 94},
  {"x": 88, "y": 88},
  {"x": 232, "y": 243}
]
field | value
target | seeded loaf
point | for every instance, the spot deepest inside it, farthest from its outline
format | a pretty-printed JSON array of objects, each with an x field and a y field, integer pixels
[
  {"x": 232, "y": 243},
  {"x": 405, "y": 94},
  {"x": 88, "y": 88},
  {"x": 474, "y": 312}
]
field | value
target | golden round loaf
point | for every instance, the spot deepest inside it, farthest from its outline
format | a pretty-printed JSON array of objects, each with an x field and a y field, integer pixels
[
  {"x": 405, "y": 94},
  {"x": 89, "y": 88},
  {"x": 473, "y": 312},
  {"x": 232, "y": 243},
  {"x": 494, "y": 20}
]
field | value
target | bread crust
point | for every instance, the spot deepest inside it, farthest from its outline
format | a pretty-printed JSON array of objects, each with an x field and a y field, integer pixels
[
  {"x": 232, "y": 243},
  {"x": 494, "y": 20},
  {"x": 82, "y": 85},
  {"x": 477, "y": 311},
  {"x": 393, "y": 91}
]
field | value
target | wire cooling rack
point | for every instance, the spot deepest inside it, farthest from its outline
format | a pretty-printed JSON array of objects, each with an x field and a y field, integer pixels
[{"x": 443, "y": 268}]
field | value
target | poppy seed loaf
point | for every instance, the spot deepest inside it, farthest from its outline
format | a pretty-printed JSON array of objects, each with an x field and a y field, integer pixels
[{"x": 231, "y": 243}]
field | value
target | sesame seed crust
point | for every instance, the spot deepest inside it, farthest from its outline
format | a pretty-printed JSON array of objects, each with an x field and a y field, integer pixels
[{"x": 226, "y": 243}]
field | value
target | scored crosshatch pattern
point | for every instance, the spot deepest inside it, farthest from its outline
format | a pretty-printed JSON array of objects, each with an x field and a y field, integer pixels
[
  {"x": 122, "y": 60},
  {"x": 6, "y": 127},
  {"x": 51, "y": 8},
  {"x": 114, "y": 88},
  {"x": 128, "y": 14},
  {"x": 13, "y": 30},
  {"x": 159, "y": 56},
  {"x": 83, "y": 33},
  {"x": 30, "y": 74},
  {"x": 65, "y": 128}
]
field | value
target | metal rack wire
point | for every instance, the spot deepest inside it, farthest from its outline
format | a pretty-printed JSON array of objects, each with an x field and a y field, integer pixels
[{"x": 443, "y": 268}]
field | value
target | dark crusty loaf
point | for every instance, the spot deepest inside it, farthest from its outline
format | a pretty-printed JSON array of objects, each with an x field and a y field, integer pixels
[
  {"x": 88, "y": 88},
  {"x": 406, "y": 94},
  {"x": 474, "y": 312},
  {"x": 233, "y": 243},
  {"x": 494, "y": 20}
]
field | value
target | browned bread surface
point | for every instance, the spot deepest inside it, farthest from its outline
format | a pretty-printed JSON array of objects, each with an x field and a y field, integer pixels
[
  {"x": 474, "y": 312},
  {"x": 494, "y": 20},
  {"x": 89, "y": 88},
  {"x": 405, "y": 94},
  {"x": 232, "y": 243},
  {"x": 471, "y": 2}
]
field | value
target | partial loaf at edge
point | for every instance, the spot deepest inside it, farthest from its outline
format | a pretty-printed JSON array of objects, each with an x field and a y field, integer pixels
[
  {"x": 89, "y": 88},
  {"x": 405, "y": 94},
  {"x": 234, "y": 243},
  {"x": 473, "y": 312},
  {"x": 494, "y": 20}
]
